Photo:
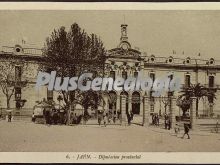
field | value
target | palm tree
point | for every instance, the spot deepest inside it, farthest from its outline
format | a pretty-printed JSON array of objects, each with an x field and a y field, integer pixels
[
  {"x": 184, "y": 103},
  {"x": 199, "y": 91}
]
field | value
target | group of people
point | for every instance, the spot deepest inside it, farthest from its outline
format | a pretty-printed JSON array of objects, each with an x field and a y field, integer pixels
[
  {"x": 155, "y": 119},
  {"x": 107, "y": 117},
  {"x": 53, "y": 116},
  {"x": 75, "y": 118},
  {"x": 167, "y": 123},
  {"x": 102, "y": 116}
]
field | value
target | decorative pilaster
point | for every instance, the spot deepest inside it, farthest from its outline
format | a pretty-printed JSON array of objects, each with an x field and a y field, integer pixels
[
  {"x": 172, "y": 110},
  {"x": 193, "y": 112},
  {"x": 118, "y": 103},
  {"x": 129, "y": 102},
  {"x": 141, "y": 106},
  {"x": 123, "y": 110},
  {"x": 106, "y": 102},
  {"x": 146, "y": 114}
]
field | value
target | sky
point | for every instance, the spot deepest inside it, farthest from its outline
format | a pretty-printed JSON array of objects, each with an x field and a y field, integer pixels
[{"x": 152, "y": 31}]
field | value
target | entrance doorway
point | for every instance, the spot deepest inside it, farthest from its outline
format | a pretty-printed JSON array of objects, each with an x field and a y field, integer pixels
[{"x": 135, "y": 103}]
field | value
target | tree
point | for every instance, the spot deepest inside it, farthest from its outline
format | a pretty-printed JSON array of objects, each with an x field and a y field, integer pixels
[
  {"x": 184, "y": 104},
  {"x": 71, "y": 54},
  {"x": 91, "y": 99},
  {"x": 166, "y": 101},
  {"x": 199, "y": 91},
  {"x": 8, "y": 79}
]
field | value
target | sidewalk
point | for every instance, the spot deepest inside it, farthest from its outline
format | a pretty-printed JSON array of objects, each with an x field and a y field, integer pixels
[{"x": 160, "y": 129}]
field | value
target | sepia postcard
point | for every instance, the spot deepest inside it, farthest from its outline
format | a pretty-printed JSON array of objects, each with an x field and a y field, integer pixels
[{"x": 109, "y": 82}]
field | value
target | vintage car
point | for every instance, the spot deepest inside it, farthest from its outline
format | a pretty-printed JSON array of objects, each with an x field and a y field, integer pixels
[{"x": 38, "y": 112}]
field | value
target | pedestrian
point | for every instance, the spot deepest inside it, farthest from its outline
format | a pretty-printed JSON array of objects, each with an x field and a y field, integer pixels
[
  {"x": 129, "y": 118},
  {"x": 99, "y": 117},
  {"x": 47, "y": 115},
  {"x": 131, "y": 115},
  {"x": 55, "y": 116},
  {"x": 109, "y": 116},
  {"x": 9, "y": 117},
  {"x": 166, "y": 121},
  {"x": 186, "y": 130},
  {"x": 114, "y": 116},
  {"x": 118, "y": 114},
  {"x": 169, "y": 123},
  {"x": 177, "y": 129},
  {"x": 157, "y": 120},
  {"x": 105, "y": 119},
  {"x": 153, "y": 119}
]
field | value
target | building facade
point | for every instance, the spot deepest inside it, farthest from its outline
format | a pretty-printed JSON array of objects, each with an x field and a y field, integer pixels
[{"x": 122, "y": 61}]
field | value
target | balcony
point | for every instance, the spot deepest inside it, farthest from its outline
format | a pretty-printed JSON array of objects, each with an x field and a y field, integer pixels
[{"x": 215, "y": 87}]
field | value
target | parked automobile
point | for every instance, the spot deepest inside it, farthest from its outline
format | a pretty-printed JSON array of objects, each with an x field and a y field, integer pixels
[{"x": 38, "y": 112}]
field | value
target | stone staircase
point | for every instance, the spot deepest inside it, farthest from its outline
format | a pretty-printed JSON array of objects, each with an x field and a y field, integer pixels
[
  {"x": 22, "y": 118},
  {"x": 18, "y": 115},
  {"x": 209, "y": 126},
  {"x": 212, "y": 128}
]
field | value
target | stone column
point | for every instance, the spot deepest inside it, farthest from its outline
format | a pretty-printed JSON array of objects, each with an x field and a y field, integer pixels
[
  {"x": 193, "y": 112},
  {"x": 118, "y": 103},
  {"x": 141, "y": 105},
  {"x": 106, "y": 102},
  {"x": 123, "y": 110},
  {"x": 146, "y": 110},
  {"x": 172, "y": 110},
  {"x": 129, "y": 102}
]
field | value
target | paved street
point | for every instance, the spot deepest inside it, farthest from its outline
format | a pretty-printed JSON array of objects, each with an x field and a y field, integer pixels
[{"x": 27, "y": 136}]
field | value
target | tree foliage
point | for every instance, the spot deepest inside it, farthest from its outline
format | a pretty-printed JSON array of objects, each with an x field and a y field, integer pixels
[
  {"x": 8, "y": 79},
  {"x": 199, "y": 91},
  {"x": 71, "y": 53}
]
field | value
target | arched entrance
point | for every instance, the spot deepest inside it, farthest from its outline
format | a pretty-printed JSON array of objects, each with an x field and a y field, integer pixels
[{"x": 135, "y": 102}]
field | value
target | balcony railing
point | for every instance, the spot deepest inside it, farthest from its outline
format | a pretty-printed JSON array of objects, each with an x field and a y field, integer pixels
[{"x": 215, "y": 86}]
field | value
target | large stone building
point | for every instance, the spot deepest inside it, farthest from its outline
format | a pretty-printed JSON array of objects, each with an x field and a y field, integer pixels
[{"x": 122, "y": 61}]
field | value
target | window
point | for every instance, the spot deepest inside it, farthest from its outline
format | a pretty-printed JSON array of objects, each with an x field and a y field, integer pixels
[
  {"x": 169, "y": 92},
  {"x": 211, "y": 99},
  {"x": 211, "y": 81},
  {"x": 17, "y": 73},
  {"x": 112, "y": 74},
  {"x": 124, "y": 75},
  {"x": 17, "y": 93},
  {"x": 152, "y": 76},
  {"x": 49, "y": 95},
  {"x": 135, "y": 74},
  {"x": 187, "y": 80}
]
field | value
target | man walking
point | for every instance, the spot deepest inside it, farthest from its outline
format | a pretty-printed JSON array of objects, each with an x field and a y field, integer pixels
[
  {"x": 186, "y": 130},
  {"x": 100, "y": 116}
]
